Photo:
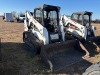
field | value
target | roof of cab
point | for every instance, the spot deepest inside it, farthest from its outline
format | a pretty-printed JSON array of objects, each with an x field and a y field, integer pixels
[
  {"x": 46, "y": 6},
  {"x": 84, "y": 12}
]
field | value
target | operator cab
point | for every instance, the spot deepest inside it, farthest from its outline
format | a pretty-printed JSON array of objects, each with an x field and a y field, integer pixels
[
  {"x": 83, "y": 18},
  {"x": 48, "y": 16}
]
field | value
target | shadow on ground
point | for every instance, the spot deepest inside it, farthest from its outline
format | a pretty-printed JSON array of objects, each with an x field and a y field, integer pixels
[{"x": 17, "y": 60}]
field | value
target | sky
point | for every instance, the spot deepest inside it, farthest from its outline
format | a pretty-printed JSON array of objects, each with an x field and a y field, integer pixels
[{"x": 67, "y": 6}]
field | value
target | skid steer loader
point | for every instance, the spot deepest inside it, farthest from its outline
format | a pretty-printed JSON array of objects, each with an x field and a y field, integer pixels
[
  {"x": 43, "y": 34},
  {"x": 79, "y": 27}
]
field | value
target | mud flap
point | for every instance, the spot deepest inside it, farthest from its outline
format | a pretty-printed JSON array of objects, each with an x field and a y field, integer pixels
[{"x": 59, "y": 55}]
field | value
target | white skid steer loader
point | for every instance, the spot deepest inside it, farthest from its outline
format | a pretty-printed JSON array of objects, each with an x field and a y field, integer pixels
[
  {"x": 43, "y": 34},
  {"x": 79, "y": 27}
]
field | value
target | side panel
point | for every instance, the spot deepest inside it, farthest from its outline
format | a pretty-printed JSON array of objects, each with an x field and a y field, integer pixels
[
  {"x": 94, "y": 29},
  {"x": 62, "y": 30}
]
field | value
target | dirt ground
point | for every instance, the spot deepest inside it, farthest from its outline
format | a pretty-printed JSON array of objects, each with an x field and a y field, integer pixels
[{"x": 16, "y": 60}]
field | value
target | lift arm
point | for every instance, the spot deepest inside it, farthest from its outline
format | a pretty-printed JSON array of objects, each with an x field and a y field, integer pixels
[{"x": 38, "y": 30}]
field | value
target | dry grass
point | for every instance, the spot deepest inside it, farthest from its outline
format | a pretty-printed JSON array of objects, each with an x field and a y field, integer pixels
[
  {"x": 16, "y": 60},
  {"x": 98, "y": 29}
]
